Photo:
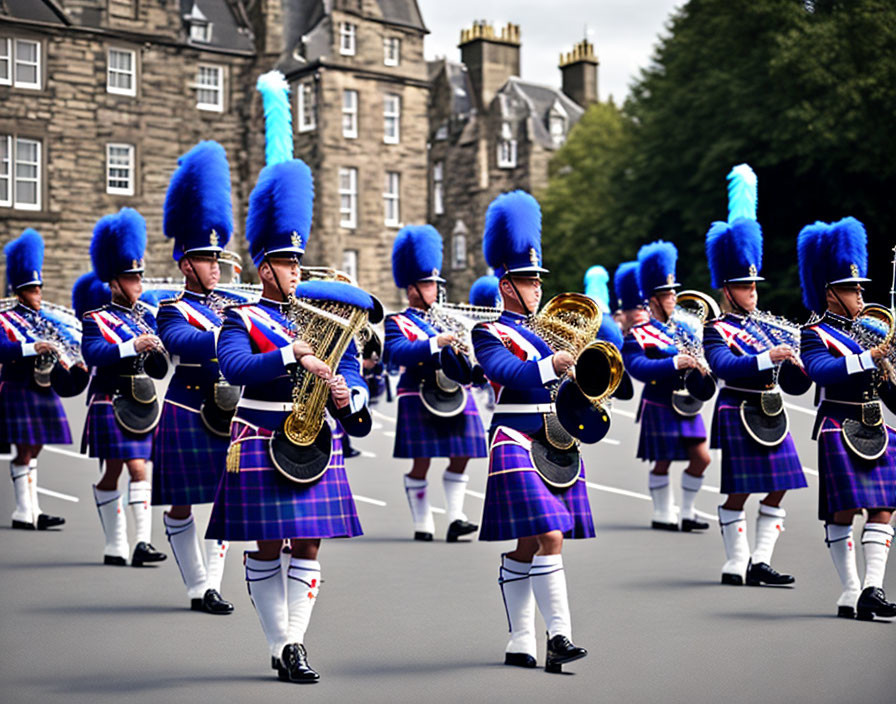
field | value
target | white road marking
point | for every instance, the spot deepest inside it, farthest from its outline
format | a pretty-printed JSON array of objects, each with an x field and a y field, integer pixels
[
  {"x": 67, "y": 453},
  {"x": 801, "y": 409},
  {"x": 474, "y": 493},
  {"x": 367, "y": 500},
  {"x": 636, "y": 495},
  {"x": 809, "y": 470},
  {"x": 624, "y": 414},
  {"x": 437, "y": 510},
  {"x": 610, "y": 441},
  {"x": 58, "y": 495},
  {"x": 389, "y": 433},
  {"x": 377, "y": 414},
  {"x": 713, "y": 489},
  {"x": 371, "y": 455}
]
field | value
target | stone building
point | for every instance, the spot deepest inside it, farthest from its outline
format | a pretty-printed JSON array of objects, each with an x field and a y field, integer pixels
[{"x": 491, "y": 132}]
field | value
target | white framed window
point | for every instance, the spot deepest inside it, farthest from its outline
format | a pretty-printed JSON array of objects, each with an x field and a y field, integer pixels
[
  {"x": 120, "y": 169},
  {"x": 438, "y": 204},
  {"x": 506, "y": 148},
  {"x": 347, "y": 36},
  {"x": 5, "y": 61},
  {"x": 350, "y": 114},
  {"x": 442, "y": 133},
  {"x": 20, "y": 173},
  {"x": 391, "y": 118},
  {"x": 307, "y": 108},
  {"x": 25, "y": 63},
  {"x": 348, "y": 198},
  {"x": 210, "y": 87},
  {"x": 391, "y": 51},
  {"x": 458, "y": 250},
  {"x": 350, "y": 263},
  {"x": 557, "y": 125},
  {"x": 392, "y": 199},
  {"x": 121, "y": 72},
  {"x": 200, "y": 31}
]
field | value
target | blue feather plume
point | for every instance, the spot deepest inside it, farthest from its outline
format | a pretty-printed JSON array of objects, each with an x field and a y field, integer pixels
[
  {"x": 24, "y": 257},
  {"x": 625, "y": 284},
  {"x": 512, "y": 226},
  {"x": 278, "y": 142},
  {"x": 417, "y": 251},
  {"x": 484, "y": 291},
  {"x": 732, "y": 248},
  {"x": 655, "y": 262},
  {"x": 811, "y": 248},
  {"x": 118, "y": 240},
  {"x": 742, "y": 193},
  {"x": 89, "y": 293},
  {"x": 597, "y": 285},
  {"x": 281, "y": 203},
  {"x": 198, "y": 199},
  {"x": 849, "y": 245}
]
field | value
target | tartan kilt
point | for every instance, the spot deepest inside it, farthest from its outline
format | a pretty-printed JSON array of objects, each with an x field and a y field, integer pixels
[
  {"x": 665, "y": 435},
  {"x": 259, "y": 503},
  {"x": 419, "y": 433},
  {"x": 847, "y": 482},
  {"x": 106, "y": 440},
  {"x": 31, "y": 417},
  {"x": 187, "y": 460},
  {"x": 519, "y": 504},
  {"x": 747, "y": 466}
]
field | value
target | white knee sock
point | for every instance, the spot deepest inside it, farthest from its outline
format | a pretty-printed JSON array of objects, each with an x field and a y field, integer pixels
[
  {"x": 215, "y": 553},
  {"x": 876, "y": 540},
  {"x": 265, "y": 582},
  {"x": 769, "y": 525},
  {"x": 35, "y": 503},
  {"x": 737, "y": 547},
  {"x": 21, "y": 481},
  {"x": 184, "y": 541},
  {"x": 549, "y": 587},
  {"x": 113, "y": 521},
  {"x": 690, "y": 485},
  {"x": 664, "y": 510},
  {"x": 302, "y": 587},
  {"x": 419, "y": 503},
  {"x": 455, "y": 485},
  {"x": 843, "y": 553},
  {"x": 519, "y": 603},
  {"x": 140, "y": 501}
]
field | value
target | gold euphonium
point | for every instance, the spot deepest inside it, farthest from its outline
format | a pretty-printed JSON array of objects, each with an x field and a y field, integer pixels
[{"x": 875, "y": 326}]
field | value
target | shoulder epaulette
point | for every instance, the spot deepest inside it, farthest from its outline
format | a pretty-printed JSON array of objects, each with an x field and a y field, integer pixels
[{"x": 170, "y": 301}]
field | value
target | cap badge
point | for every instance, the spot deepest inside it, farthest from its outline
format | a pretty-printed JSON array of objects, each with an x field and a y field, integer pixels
[
  {"x": 670, "y": 279},
  {"x": 435, "y": 272},
  {"x": 295, "y": 239},
  {"x": 213, "y": 239},
  {"x": 533, "y": 256},
  {"x": 35, "y": 275},
  {"x": 135, "y": 264},
  {"x": 753, "y": 270},
  {"x": 854, "y": 270}
]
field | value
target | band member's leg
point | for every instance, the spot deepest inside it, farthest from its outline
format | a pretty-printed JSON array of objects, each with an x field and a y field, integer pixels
[
  {"x": 140, "y": 502},
  {"x": 112, "y": 516},
  {"x": 264, "y": 579},
  {"x": 769, "y": 525},
  {"x": 838, "y": 536},
  {"x": 691, "y": 481},
  {"x": 665, "y": 514},
  {"x": 24, "y": 480},
  {"x": 519, "y": 603},
  {"x": 733, "y": 522},
  {"x": 184, "y": 540},
  {"x": 454, "y": 482},
  {"x": 302, "y": 588},
  {"x": 43, "y": 520},
  {"x": 415, "y": 486},
  {"x": 877, "y": 536}
]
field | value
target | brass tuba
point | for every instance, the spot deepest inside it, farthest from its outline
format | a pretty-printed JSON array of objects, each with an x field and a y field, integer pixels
[{"x": 875, "y": 326}]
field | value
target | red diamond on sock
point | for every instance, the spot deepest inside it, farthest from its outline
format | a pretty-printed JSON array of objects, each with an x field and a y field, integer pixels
[{"x": 313, "y": 583}]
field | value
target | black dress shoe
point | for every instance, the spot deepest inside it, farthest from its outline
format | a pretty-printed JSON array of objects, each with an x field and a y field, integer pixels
[
  {"x": 689, "y": 524},
  {"x": 423, "y": 536},
  {"x": 295, "y": 660},
  {"x": 657, "y": 525},
  {"x": 763, "y": 573},
  {"x": 873, "y": 602},
  {"x": 212, "y": 602},
  {"x": 560, "y": 651},
  {"x": 520, "y": 660},
  {"x": 45, "y": 521},
  {"x": 351, "y": 452},
  {"x": 733, "y": 579},
  {"x": 23, "y": 525},
  {"x": 846, "y": 612},
  {"x": 459, "y": 528},
  {"x": 114, "y": 560},
  {"x": 144, "y": 552}
]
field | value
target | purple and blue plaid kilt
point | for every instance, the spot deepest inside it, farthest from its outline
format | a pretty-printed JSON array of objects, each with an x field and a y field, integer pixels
[
  {"x": 665, "y": 435},
  {"x": 259, "y": 503},
  {"x": 418, "y": 433},
  {"x": 847, "y": 482},
  {"x": 519, "y": 504},
  {"x": 106, "y": 440},
  {"x": 747, "y": 466},
  {"x": 31, "y": 417},
  {"x": 187, "y": 460}
]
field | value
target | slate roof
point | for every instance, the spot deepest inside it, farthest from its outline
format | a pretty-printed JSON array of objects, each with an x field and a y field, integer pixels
[
  {"x": 519, "y": 99},
  {"x": 228, "y": 32},
  {"x": 34, "y": 10}
]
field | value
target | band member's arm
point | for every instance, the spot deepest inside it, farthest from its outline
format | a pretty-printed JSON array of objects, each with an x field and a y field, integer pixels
[
  {"x": 183, "y": 339},
  {"x": 643, "y": 368},
  {"x": 823, "y": 367},
  {"x": 240, "y": 364},
  {"x": 727, "y": 363},
  {"x": 406, "y": 352},
  {"x": 505, "y": 368},
  {"x": 355, "y": 417},
  {"x": 100, "y": 352},
  {"x": 13, "y": 350}
]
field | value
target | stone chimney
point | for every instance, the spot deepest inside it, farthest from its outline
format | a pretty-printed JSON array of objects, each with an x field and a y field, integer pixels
[
  {"x": 268, "y": 18},
  {"x": 490, "y": 59},
  {"x": 579, "y": 71}
]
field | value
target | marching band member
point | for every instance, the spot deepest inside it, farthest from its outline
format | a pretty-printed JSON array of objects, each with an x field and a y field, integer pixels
[
  {"x": 484, "y": 294},
  {"x": 192, "y": 438},
  {"x": 120, "y": 342},
  {"x": 630, "y": 309},
  {"x": 258, "y": 349},
  {"x": 432, "y": 421},
  {"x": 652, "y": 357},
  {"x": 749, "y": 423},
  {"x": 31, "y": 415},
  {"x": 856, "y": 449},
  {"x": 519, "y": 504},
  {"x": 597, "y": 288}
]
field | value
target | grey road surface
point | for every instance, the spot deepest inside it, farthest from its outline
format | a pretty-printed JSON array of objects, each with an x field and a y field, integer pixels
[{"x": 399, "y": 621}]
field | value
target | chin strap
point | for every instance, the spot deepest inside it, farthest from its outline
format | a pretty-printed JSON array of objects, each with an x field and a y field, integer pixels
[
  {"x": 423, "y": 304},
  {"x": 284, "y": 297},
  {"x": 840, "y": 301},
  {"x": 738, "y": 308},
  {"x": 205, "y": 290},
  {"x": 519, "y": 297}
]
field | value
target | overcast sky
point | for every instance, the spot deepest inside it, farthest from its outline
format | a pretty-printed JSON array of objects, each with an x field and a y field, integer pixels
[{"x": 624, "y": 33}]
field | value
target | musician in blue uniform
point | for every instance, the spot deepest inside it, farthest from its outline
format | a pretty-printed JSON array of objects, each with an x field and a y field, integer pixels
[
  {"x": 597, "y": 288},
  {"x": 856, "y": 449},
  {"x": 630, "y": 310},
  {"x": 120, "y": 342},
  {"x": 437, "y": 416},
  {"x": 749, "y": 424},
  {"x": 274, "y": 490},
  {"x": 519, "y": 503},
  {"x": 671, "y": 426},
  {"x": 484, "y": 294},
  {"x": 31, "y": 414},
  {"x": 192, "y": 438}
]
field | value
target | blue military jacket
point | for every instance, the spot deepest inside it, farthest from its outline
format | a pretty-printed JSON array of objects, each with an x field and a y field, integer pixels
[
  {"x": 255, "y": 352},
  {"x": 17, "y": 337},
  {"x": 107, "y": 345},
  {"x": 411, "y": 343},
  {"x": 737, "y": 353},
  {"x": 649, "y": 354}
]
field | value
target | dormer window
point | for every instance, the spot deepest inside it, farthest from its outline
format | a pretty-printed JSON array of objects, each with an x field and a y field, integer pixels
[
  {"x": 200, "y": 27},
  {"x": 506, "y": 148},
  {"x": 557, "y": 121},
  {"x": 347, "y": 34}
]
